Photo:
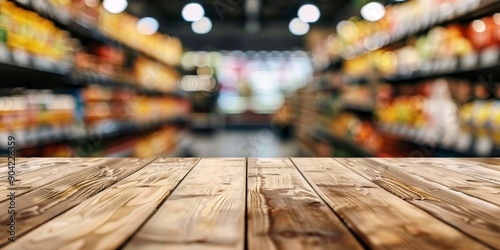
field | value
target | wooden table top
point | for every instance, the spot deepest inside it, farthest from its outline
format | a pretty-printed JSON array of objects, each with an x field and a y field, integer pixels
[{"x": 254, "y": 203}]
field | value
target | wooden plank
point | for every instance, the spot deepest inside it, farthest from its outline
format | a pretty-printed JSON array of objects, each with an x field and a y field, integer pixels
[
  {"x": 453, "y": 180},
  {"x": 284, "y": 212},
  {"x": 379, "y": 218},
  {"x": 473, "y": 216},
  {"x": 43, "y": 204},
  {"x": 24, "y": 165},
  {"x": 112, "y": 215},
  {"x": 492, "y": 163},
  {"x": 45, "y": 174},
  {"x": 206, "y": 211},
  {"x": 462, "y": 166}
]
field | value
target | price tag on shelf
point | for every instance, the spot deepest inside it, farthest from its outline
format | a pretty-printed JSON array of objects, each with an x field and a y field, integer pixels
[
  {"x": 30, "y": 136},
  {"x": 472, "y": 4},
  {"x": 419, "y": 134},
  {"x": 21, "y": 58},
  {"x": 4, "y": 53},
  {"x": 42, "y": 64},
  {"x": 429, "y": 136},
  {"x": 43, "y": 135},
  {"x": 25, "y": 2},
  {"x": 489, "y": 57},
  {"x": 449, "y": 64},
  {"x": 63, "y": 16},
  {"x": 449, "y": 138},
  {"x": 483, "y": 146},
  {"x": 21, "y": 137},
  {"x": 42, "y": 6},
  {"x": 4, "y": 135},
  {"x": 464, "y": 141},
  {"x": 469, "y": 61},
  {"x": 405, "y": 130}
]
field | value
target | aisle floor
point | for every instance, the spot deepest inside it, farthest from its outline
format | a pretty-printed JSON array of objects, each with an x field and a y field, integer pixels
[{"x": 243, "y": 143}]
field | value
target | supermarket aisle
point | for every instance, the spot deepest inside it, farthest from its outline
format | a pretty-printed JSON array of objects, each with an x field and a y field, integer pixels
[{"x": 248, "y": 143}]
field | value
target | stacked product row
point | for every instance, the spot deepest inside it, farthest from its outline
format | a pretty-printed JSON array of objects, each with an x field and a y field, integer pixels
[
  {"x": 38, "y": 117},
  {"x": 421, "y": 81},
  {"x": 442, "y": 49},
  {"x": 101, "y": 87}
]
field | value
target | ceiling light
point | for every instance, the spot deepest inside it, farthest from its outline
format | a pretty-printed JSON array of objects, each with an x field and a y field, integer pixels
[
  {"x": 309, "y": 13},
  {"x": 202, "y": 26},
  {"x": 147, "y": 26},
  {"x": 479, "y": 26},
  {"x": 297, "y": 27},
  {"x": 496, "y": 18},
  {"x": 115, "y": 6},
  {"x": 373, "y": 11},
  {"x": 193, "y": 12}
]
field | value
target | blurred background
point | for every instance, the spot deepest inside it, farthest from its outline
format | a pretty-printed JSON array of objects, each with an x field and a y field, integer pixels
[{"x": 269, "y": 78}]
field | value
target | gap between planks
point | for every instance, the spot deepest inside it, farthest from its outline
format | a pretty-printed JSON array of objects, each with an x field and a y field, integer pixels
[
  {"x": 112, "y": 215},
  {"x": 378, "y": 217},
  {"x": 284, "y": 212},
  {"x": 475, "y": 217},
  {"x": 43, "y": 204}
]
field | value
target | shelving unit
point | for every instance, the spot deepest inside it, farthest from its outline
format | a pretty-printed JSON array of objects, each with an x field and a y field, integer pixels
[
  {"x": 21, "y": 70},
  {"x": 459, "y": 68},
  {"x": 44, "y": 135},
  {"x": 331, "y": 83},
  {"x": 460, "y": 14},
  {"x": 78, "y": 28},
  {"x": 321, "y": 135}
]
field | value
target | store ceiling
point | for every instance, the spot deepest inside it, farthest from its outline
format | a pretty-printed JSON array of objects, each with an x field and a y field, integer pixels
[{"x": 230, "y": 24}]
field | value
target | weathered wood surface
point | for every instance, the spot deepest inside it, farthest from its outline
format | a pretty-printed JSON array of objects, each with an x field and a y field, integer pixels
[
  {"x": 467, "y": 167},
  {"x": 41, "y": 205},
  {"x": 46, "y": 173},
  {"x": 473, "y": 216},
  {"x": 456, "y": 181},
  {"x": 380, "y": 218},
  {"x": 206, "y": 211},
  {"x": 238, "y": 203},
  {"x": 106, "y": 220},
  {"x": 22, "y": 165},
  {"x": 493, "y": 163},
  {"x": 285, "y": 213}
]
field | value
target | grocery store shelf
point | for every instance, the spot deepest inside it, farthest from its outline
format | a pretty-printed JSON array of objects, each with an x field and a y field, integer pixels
[
  {"x": 78, "y": 28},
  {"x": 21, "y": 69},
  {"x": 46, "y": 135},
  {"x": 485, "y": 6},
  {"x": 177, "y": 151},
  {"x": 182, "y": 149},
  {"x": 463, "y": 69},
  {"x": 328, "y": 89},
  {"x": 28, "y": 72},
  {"x": 455, "y": 144},
  {"x": 85, "y": 78},
  {"x": 333, "y": 65},
  {"x": 321, "y": 135},
  {"x": 358, "y": 109}
]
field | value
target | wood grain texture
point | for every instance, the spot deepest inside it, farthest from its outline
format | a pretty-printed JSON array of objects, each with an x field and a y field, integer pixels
[
  {"x": 107, "y": 219},
  {"x": 285, "y": 213},
  {"x": 380, "y": 219},
  {"x": 473, "y": 216},
  {"x": 27, "y": 181},
  {"x": 467, "y": 167},
  {"x": 24, "y": 165},
  {"x": 43, "y": 204},
  {"x": 206, "y": 211},
  {"x": 453, "y": 180},
  {"x": 492, "y": 163}
]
